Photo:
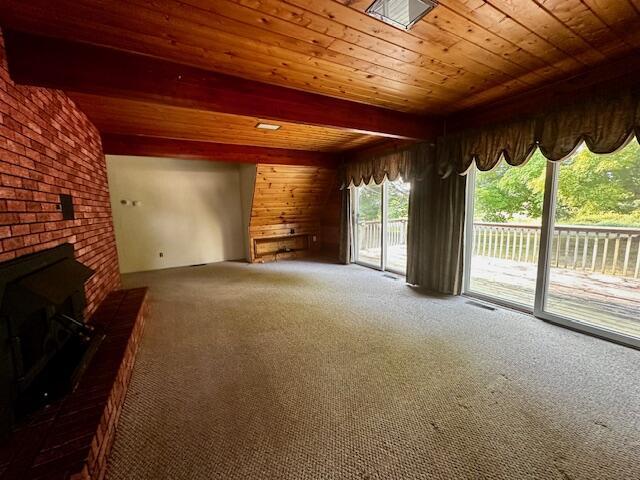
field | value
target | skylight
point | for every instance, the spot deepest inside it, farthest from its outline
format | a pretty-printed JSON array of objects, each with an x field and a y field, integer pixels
[{"x": 401, "y": 13}]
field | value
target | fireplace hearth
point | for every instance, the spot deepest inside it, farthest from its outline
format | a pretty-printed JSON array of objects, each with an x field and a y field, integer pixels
[{"x": 45, "y": 344}]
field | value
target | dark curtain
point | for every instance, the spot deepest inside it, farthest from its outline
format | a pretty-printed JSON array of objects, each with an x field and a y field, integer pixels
[
  {"x": 437, "y": 200},
  {"x": 436, "y": 232},
  {"x": 604, "y": 122},
  {"x": 515, "y": 141},
  {"x": 345, "y": 227},
  {"x": 401, "y": 162},
  {"x": 436, "y": 214},
  {"x": 404, "y": 162}
]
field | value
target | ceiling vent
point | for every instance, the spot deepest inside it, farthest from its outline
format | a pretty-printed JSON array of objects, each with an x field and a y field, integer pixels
[{"x": 401, "y": 13}]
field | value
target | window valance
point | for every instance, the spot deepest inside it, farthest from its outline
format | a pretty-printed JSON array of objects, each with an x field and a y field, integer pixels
[
  {"x": 604, "y": 122},
  {"x": 406, "y": 162}
]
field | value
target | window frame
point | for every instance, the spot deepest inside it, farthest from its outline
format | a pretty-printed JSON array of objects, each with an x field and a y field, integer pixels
[
  {"x": 542, "y": 284},
  {"x": 356, "y": 240},
  {"x": 468, "y": 251},
  {"x": 384, "y": 218},
  {"x": 552, "y": 175}
]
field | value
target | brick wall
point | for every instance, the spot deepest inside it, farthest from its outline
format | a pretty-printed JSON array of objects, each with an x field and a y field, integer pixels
[{"x": 49, "y": 147}]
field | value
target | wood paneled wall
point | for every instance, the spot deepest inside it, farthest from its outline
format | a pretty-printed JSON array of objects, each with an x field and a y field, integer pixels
[
  {"x": 288, "y": 209},
  {"x": 330, "y": 223}
]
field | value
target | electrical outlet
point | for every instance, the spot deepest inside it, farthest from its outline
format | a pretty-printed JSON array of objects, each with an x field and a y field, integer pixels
[{"x": 314, "y": 238}]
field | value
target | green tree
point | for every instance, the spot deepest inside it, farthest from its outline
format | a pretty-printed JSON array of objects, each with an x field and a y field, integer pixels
[
  {"x": 369, "y": 198},
  {"x": 593, "y": 185},
  {"x": 398, "y": 200},
  {"x": 507, "y": 192},
  {"x": 592, "y": 189}
]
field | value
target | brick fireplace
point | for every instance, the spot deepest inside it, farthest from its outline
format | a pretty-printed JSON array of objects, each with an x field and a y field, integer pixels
[
  {"x": 53, "y": 191},
  {"x": 72, "y": 436},
  {"x": 45, "y": 343},
  {"x": 49, "y": 148}
]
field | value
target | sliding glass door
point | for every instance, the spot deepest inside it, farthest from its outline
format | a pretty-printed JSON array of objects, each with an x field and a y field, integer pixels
[
  {"x": 592, "y": 272},
  {"x": 397, "y": 218},
  {"x": 505, "y": 229},
  {"x": 561, "y": 240},
  {"x": 368, "y": 219},
  {"x": 380, "y": 214}
]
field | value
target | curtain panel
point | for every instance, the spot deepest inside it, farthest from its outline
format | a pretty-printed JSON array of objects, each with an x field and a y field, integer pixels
[
  {"x": 436, "y": 231},
  {"x": 346, "y": 235},
  {"x": 436, "y": 214},
  {"x": 604, "y": 122},
  {"x": 404, "y": 162}
]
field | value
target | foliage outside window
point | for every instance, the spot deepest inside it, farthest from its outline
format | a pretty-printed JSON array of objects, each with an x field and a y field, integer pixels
[
  {"x": 597, "y": 190},
  {"x": 370, "y": 201}
]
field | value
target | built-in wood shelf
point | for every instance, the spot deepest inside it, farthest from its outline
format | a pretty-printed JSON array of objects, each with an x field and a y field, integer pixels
[{"x": 280, "y": 247}]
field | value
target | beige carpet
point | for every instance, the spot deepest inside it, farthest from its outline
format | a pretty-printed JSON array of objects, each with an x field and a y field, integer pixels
[{"x": 304, "y": 370}]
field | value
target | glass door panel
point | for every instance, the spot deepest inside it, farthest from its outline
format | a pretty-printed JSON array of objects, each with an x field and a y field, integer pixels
[
  {"x": 397, "y": 198},
  {"x": 369, "y": 225},
  {"x": 593, "y": 274},
  {"x": 504, "y": 235}
]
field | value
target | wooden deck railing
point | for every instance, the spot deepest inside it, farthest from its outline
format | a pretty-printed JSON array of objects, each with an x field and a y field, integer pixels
[
  {"x": 607, "y": 250},
  {"x": 370, "y": 233}
]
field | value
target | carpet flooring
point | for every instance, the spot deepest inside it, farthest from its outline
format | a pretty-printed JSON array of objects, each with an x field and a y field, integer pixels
[{"x": 306, "y": 370}]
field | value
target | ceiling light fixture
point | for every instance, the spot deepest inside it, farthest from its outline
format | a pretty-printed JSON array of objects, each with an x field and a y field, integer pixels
[
  {"x": 401, "y": 13},
  {"x": 267, "y": 126}
]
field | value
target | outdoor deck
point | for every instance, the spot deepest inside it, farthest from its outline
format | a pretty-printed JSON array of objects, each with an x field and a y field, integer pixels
[
  {"x": 396, "y": 258},
  {"x": 604, "y": 300}
]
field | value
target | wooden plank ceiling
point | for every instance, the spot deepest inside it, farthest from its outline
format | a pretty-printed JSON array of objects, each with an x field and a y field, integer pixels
[{"x": 464, "y": 54}]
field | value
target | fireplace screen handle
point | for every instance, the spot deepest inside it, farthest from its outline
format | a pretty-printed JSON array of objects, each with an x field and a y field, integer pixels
[{"x": 75, "y": 325}]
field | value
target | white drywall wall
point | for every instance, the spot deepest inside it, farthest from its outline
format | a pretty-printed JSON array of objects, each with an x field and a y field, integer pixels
[{"x": 189, "y": 210}]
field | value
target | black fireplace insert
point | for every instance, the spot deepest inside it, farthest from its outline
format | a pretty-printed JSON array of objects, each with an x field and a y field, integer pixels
[{"x": 45, "y": 343}]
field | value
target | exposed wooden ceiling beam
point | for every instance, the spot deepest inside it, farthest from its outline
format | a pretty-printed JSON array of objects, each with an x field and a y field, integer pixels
[
  {"x": 83, "y": 68},
  {"x": 194, "y": 150}
]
